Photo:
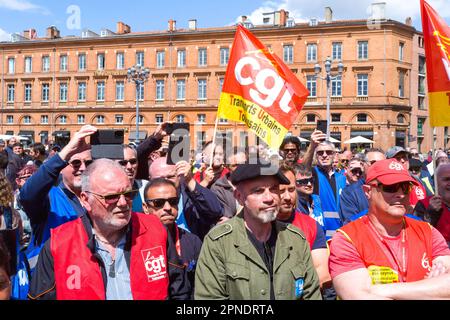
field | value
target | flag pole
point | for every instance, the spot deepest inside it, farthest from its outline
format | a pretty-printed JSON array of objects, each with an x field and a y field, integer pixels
[
  {"x": 433, "y": 159},
  {"x": 213, "y": 142}
]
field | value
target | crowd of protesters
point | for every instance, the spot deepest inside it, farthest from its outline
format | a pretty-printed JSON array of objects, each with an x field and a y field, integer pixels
[{"x": 239, "y": 224}]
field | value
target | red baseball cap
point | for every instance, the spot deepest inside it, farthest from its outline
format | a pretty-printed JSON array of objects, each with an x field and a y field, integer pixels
[{"x": 389, "y": 172}]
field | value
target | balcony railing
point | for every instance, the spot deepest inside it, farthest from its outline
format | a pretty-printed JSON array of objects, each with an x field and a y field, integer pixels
[{"x": 362, "y": 99}]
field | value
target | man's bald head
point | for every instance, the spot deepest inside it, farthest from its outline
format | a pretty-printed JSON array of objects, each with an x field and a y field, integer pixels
[{"x": 160, "y": 169}]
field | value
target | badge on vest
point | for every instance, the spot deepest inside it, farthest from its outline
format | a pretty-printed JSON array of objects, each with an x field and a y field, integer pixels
[
  {"x": 382, "y": 275},
  {"x": 154, "y": 262},
  {"x": 299, "y": 283}
]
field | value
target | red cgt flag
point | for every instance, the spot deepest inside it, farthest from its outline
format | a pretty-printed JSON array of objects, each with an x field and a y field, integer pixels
[
  {"x": 260, "y": 90},
  {"x": 437, "y": 49}
]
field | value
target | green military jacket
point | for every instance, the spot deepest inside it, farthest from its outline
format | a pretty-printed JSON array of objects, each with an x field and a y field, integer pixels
[{"x": 230, "y": 267}]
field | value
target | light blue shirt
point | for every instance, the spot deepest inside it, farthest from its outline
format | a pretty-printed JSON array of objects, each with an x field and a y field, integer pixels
[{"x": 118, "y": 285}]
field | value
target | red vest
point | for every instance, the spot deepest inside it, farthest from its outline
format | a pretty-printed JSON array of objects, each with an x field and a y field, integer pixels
[
  {"x": 443, "y": 225},
  {"x": 418, "y": 244},
  {"x": 418, "y": 193},
  {"x": 77, "y": 272},
  {"x": 307, "y": 225}
]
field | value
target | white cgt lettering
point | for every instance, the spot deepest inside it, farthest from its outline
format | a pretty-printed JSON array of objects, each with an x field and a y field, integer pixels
[{"x": 271, "y": 94}]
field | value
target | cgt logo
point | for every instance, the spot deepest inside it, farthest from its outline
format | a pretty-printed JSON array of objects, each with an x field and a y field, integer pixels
[{"x": 154, "y": 263}]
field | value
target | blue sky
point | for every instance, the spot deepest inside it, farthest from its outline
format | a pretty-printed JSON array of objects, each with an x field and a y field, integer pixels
[{"x": 18, "y": 15}]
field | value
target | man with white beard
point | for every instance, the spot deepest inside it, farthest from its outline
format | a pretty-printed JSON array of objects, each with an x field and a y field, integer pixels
[{"x": 253, "y": 256}]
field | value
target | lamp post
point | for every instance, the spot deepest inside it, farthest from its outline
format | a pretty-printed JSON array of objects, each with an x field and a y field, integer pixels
[
  {"x": 328, "y": 77},
  {"x": 139, "y": 75}
]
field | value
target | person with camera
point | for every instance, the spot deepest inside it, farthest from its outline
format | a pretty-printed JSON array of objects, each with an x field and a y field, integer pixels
[
  {"x": 110, "y": 252},
  {"x": 50, "y": 204}
]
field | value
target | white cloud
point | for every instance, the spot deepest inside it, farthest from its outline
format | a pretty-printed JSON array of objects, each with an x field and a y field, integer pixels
[
  {"x": 4, "y": 36},
  {"x": 303, "y": 10},
  {"x": 22, "y": 5}
]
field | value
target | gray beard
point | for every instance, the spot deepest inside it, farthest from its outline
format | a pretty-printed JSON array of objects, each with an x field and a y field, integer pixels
[{"x": 268, "y": 216}]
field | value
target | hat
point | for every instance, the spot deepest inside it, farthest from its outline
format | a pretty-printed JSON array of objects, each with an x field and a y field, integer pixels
[
  {"x": 415, "y": 163},
  {"x": 251, "y": 171},
  {"x": 389, "y": 172},
  {"x": 392, "y": 152}
]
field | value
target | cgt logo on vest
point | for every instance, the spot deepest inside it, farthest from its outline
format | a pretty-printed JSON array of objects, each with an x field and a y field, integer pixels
[{"x": 155, "y": 265}]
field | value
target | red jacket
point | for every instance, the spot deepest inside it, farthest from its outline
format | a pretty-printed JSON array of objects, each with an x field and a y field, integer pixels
[
  {"x": 148, "y": 263},
  {"x": 308, "y": 225},
  {"x": 377, "y": 258},
  {"x": 443, "y": 224}
]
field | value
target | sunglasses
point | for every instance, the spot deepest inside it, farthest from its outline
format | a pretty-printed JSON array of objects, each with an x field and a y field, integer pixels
[
  {"x": 325, "y": 152},
  {"x": 290, "y": 150},
  {"x": 415, "y": 169},
  {"x": 160, "y": 203},
  {"x": 356, "y": 171},
  {"x": 124, "y": 163},
  {"x": 76, "y": 164},
  {"x": 345, "y": 161},
  {"x": 115, "y": 197},
  {"x": 305, "y": 182},
  {"x": 393, "y": 188}
]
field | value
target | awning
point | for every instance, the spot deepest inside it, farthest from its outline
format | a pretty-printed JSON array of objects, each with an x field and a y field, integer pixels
[
  {"x": 27, "y": 134},
  {"x": 142, "y": 135},
  {"x": 61, "y": 134},
  {"x": 43, "y": 133}
]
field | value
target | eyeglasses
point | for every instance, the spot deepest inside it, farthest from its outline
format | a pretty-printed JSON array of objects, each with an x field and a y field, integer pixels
[
  {"x": 24, "y": 177},
  {"x": 413, "y": 154},
  {"x": 124, "y": 163},
  {"x": 290, "y": 151},
  {"x": 345, "y": 161},
  {"x": 305, "y": 182},
  {"x": 393, "y": 188},
  {"x": 115, "y": 197},
  {"x": 76, "y": 164},
  {"x": 356, "y": 171},
  {"x": 325, "y": 152},
  {"x": 160, "y": 203}
]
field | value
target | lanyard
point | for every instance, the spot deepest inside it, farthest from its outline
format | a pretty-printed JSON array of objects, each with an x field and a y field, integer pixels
[{"x": 402, "y": 267}]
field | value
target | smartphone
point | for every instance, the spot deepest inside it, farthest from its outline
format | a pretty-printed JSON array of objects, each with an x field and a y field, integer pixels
[
  {"x": 322, "y": 125},
  {"x": 107, "y": 144},
  {"x": 102, "y": 137},
  {"x": 179, "y": 143}
]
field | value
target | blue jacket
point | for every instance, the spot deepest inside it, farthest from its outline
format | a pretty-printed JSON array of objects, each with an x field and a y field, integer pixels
[
  {"x": 47, "y": 205},
  {"x": 353, "y": 201}
]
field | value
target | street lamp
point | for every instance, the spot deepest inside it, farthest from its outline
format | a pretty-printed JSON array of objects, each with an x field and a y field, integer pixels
[
  {"x": 328, "y": 77},
  {"x": 139, "y": 75}
]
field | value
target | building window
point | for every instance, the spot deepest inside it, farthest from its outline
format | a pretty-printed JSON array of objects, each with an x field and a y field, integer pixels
[
  {"x": 288, "y": 53},
  {"x": 180, "y": 118},
  {"x": 101, "y": 61},
  {"x": 181, "y": 89},
  {"x": 420, "y": 125},
  {"x": 310, "y": 118},
  {"x": 400, "y": 118},
  {"x": 120, "y": 60},
  {"x": 363, "y": 85},
  {"x": 100, "y": 119},
  {"x": 28, "y": 64},
  {"x": 101, "y": 91},
  {"x": 224, "y": 56},
  {"x": 120, "y": 90},
  {"x": 336, "y": 117},
  {"x": 160, "y": 59},
  {"x": 63, "y": 63},
  {"x": 223, "y": 120},
  {"x": 221, "y": 81},
  {"x": 63, "y": 92},
  {"x": 336, "y": 87},
  {"x": 27, "y": 120},
  {"x": 63, "y": 119},
  {"x": 363, "y": 50},
  {"x": 311, "y": 52},
  {"x": 160, "y": 90},
  {"x": 44, "y": 119},
  {"x": 361, "y": 117},
  {"x": 141, "y": 119},
  {"x": 140, "y": 58},
  {"x": 337, "y": 51},
  {"x": 28, "y": 91},
  {"x": 119, "y": 119},
  {"x": 9, "y": 119},
  {"x": 159, "y": 118},
  {"x": 201, "y": 139},
  {"x": 45, "y": 92},
  {"x": 141, "y": 92},
  {"x": 82, "y": 91},
  {"x": 202, "y": 89},
  {"x": 11, "y": 92},
  {"x": 311, "y": 85},
  {"x": 401, "y": 51},
  {"x": 81, "y": 62},
  {"x": 81, "y": 119},
  {"x": 201, "y": 118},
  {"x": 45, "y": 64},
  {"x": 11, "y": 65},
  {"x": 421, "y": 103},
  {"x": 181, "y": 58},
  {"x": 401, "y": 84},
  {"x": 421, "y": 85},
  {"x": 422, "y": 65},
  {"x": 202, "y": 57}
]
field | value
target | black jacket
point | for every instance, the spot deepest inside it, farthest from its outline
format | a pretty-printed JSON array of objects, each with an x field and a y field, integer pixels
[{"x": 43, "y": 287}]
